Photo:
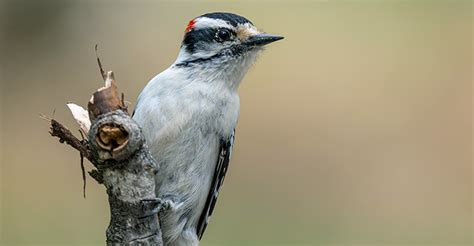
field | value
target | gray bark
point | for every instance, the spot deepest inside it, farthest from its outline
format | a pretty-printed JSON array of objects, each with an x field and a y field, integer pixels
[
  {"x": 117, "y": 149},
  {"x": 128, "y": 174}
]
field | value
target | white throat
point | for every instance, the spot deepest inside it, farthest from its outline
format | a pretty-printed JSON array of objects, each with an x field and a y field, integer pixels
[{"x": 227, "y": 71}]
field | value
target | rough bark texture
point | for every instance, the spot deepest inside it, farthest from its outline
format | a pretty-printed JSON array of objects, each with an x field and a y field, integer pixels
[
  {"x": 128, "y": 174},
  {"x": 117, "y": 149}
]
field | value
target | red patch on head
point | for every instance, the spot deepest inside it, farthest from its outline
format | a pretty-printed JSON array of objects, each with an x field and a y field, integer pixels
[{"x": 190, "y": 25}]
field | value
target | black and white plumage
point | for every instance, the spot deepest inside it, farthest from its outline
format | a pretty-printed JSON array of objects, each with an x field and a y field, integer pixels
[
  {"x": 188, "y": 114},
  {"x": 223, "y": 161}
]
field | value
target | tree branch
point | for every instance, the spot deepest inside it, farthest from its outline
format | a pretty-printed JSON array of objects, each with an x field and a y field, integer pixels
[
  {"x": 66, "y": 136},
  {"x": 117, "y": 148}
]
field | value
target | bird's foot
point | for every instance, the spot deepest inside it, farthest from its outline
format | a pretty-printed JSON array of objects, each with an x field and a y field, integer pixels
[{"x": 169, "y": 204}]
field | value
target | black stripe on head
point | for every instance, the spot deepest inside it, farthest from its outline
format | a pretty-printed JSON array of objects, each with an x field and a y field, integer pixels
[
  {"x": 230, "y": 18},
  {"x": 193, "y": 37}
]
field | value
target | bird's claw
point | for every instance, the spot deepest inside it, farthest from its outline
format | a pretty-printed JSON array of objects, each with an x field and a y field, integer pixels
[{"x": 170, "y": 205}]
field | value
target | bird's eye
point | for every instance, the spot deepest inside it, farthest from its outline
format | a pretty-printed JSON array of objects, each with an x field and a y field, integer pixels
[{"x": 223, "y": 35}]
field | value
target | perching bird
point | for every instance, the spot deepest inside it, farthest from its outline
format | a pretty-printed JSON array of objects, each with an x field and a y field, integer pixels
[{"x": 188, "y": 114}]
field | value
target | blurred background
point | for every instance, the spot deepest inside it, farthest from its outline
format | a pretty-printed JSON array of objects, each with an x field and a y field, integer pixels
[{"x": 354, "y": 130}]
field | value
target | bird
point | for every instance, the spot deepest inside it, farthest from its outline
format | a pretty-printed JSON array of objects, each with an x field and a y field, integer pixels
[{"x": 188, "y": 114}]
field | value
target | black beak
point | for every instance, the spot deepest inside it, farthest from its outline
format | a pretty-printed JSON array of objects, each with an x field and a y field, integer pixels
[{"x": 262, "y": 39}]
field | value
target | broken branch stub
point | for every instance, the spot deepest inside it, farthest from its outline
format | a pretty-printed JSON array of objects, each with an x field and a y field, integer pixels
[
  {"x": 106, "y": 99},
  {"x": 128, "y": 172},
  {"x": 126, "y": 168},
  {"x": 114, "y": 136},
  {"x": 117, "y": 148}
]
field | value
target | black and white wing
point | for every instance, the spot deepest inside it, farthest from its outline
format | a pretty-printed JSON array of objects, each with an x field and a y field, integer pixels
[{"x": 225, "y": 151}]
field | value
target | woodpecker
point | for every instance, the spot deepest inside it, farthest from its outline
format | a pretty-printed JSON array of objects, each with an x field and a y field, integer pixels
[{"x": 188, "y": 114}]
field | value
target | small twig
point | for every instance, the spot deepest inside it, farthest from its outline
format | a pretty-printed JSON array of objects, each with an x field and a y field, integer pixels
[
  {"x": 65, "y": 136},
  {"x": 44, "y": 117},
  {"x": 83, "y": 175},
  {"x": 102, "y": 72},
  {"x": 83, "y": 169}
]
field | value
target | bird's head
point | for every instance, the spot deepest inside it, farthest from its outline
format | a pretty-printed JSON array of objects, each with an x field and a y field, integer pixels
[{"x": 222, "y": 41}]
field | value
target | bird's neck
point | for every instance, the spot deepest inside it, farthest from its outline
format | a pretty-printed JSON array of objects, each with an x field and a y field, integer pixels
[{"x": 221, "y": 71}]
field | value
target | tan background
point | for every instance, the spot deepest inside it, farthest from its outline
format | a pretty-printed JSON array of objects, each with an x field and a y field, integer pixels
[{"x": 354, "y": 130}]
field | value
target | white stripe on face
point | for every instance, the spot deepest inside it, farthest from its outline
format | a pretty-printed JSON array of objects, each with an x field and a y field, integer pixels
[{"x": 204, "y": 22}]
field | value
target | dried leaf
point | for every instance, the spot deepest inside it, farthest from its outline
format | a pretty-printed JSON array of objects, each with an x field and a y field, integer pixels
[{"x": 81, "y": 116}]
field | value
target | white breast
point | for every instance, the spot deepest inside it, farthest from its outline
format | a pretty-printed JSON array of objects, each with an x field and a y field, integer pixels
[
  {"x": 171, "y": 100},
  {"x": 183, "y": 121}
]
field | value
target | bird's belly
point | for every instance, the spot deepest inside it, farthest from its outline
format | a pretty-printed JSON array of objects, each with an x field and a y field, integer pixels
[
  {"x": 185, "y": 174},
  {"x": 183, "y": 133},
  {"x": 188, "y": 163}
]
